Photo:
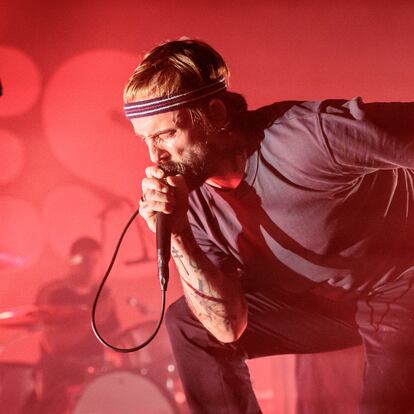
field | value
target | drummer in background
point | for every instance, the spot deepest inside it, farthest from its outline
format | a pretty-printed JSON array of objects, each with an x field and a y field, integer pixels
[{"x": 69, "y": 350}]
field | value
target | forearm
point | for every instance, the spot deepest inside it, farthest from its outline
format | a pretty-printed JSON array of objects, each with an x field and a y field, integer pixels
[{"x": 215, "y": 299}]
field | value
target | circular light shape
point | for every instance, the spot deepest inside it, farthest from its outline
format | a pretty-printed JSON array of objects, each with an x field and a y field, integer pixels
[
  {"x": 84, "y": 121},
  {"x": 20, "y": 78},
  {"x": 21, "y": 236},
  {"x": 11, "y": 157}
]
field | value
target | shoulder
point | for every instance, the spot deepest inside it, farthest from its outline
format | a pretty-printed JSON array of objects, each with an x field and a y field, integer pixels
[
  {"x": 289, "y": 111},
  {"x": 293, "y": 141},
  {"x": 51, "y": 291},
  {"x": 301, "y": 124}
]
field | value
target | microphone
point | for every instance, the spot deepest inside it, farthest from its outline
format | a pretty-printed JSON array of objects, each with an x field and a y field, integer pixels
[{"x": 163, "y": 240}]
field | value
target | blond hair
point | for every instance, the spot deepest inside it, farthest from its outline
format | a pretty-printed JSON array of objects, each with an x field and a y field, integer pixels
[
  {"x": 180, "y": 66},
  {"x": 175, "y": 67}
]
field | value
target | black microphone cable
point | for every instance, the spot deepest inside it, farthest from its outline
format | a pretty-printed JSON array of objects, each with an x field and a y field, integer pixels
[{"x": 163, "y": 253}]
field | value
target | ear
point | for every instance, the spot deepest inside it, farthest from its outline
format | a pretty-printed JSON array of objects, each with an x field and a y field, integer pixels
[{"x": 217, "y": 112}]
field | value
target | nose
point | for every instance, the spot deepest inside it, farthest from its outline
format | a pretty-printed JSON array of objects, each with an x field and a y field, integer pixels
[{"x": 157, "y": 154}]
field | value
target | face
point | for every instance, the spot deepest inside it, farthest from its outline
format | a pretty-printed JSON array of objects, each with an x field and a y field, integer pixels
[
  {"x": 175, "y": 145},
  {"x": 86, "y": 267}
]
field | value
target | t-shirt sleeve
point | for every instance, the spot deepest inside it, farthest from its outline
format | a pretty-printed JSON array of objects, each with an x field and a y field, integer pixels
[
  {"x": 365, "y": 137},
  {"x": 211, "y": 244}
]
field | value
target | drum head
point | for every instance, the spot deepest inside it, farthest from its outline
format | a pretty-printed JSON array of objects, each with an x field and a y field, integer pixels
[
  {"x": 155, "y": 360},
  {"x": 157, "y": 351},
  {"x": 123, "y": 392}
]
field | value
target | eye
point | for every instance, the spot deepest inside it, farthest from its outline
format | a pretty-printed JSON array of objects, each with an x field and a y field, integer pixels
[{"x": 168, "y": 135}]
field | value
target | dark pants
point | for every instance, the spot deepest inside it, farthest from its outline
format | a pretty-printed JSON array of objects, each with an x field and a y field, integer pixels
[{"x": 216, "y": 378}]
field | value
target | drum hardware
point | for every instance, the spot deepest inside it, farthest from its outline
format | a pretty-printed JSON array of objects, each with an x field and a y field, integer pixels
[
  {"x": 146, "y": 379},
  {"x": 34, "y": 316},
  {"x": 169, "y": 384},
  {"x": 20, "y": 383}
]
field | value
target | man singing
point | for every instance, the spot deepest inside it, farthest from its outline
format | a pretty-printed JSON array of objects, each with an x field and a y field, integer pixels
[{"x": 292, "y": 227}]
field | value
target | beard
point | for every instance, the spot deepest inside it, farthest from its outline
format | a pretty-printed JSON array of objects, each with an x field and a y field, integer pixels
[{"x": 197, "y": 164}]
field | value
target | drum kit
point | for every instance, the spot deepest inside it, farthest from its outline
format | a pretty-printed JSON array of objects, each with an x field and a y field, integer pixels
[{"x": 144, "y": 382}]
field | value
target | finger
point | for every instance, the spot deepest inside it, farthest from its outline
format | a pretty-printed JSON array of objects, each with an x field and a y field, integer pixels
[
  {"x": 154, "y": 172},
  {"x": 157, "y": 206},
  {"x": 154, "y": 199},
  {"x": 176, "y": 181},
  {"x": 145, "y": 212},
  {"x": 154, "y": 184},
  {"x": 153, "y": 195},
  {"x": 178, "y": 185}
]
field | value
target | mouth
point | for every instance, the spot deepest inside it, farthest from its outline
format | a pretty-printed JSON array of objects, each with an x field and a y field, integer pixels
[
  {"x": 172, "y": 168},
  {"x": 193, "y": 179}
]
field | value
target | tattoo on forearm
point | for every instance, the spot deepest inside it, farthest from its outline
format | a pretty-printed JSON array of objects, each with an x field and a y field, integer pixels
[
  {"x": 201, "y": 288},
  {"x": 200, "y": 285},
  {"x": 194, "y": 264},
  {"x": 212, "y": 313},
  {"x": 175, "y": 253},
  {"x": 201, "y": 294}
]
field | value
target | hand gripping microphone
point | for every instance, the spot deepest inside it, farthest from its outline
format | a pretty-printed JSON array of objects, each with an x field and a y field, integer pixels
[{"x": 163, "y": 238}]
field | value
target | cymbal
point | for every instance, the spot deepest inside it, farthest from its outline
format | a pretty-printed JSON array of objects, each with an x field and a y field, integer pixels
[{"x": 31, "y": 316}]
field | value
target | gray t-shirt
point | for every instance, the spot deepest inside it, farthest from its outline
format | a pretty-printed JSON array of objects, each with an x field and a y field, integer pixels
[{"x": 327, "y": 201}]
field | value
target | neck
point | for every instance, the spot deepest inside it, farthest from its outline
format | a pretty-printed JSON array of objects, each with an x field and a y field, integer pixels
[{"x": 230, "y": 173}]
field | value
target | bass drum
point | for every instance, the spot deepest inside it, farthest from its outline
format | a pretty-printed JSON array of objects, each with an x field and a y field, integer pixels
[
  {"x": 158, "y": 351},
  {"x": 155, "y": 360},
  {"x": 123, "y": 392}
]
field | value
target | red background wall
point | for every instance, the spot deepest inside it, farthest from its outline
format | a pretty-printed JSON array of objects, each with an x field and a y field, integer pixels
[{"x": 69, "y": 164}]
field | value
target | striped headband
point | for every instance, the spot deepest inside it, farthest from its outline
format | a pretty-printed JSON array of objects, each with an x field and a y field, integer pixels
[{"x": 165, "y": 104}]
